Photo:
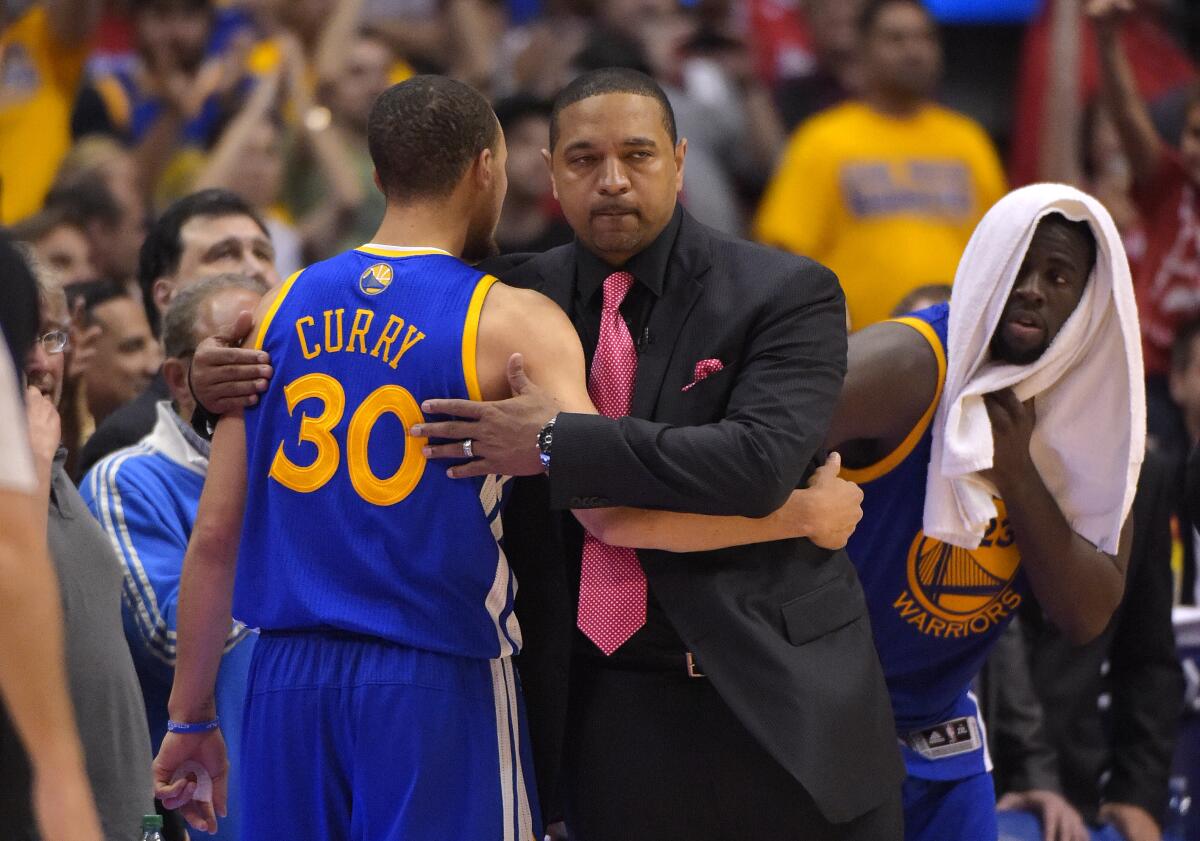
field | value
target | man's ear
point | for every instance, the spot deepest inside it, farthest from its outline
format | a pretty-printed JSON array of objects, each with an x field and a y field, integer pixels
[
  {"x": 680, "y": 154},
  {"x": 162, "y": 291},
  {"x": 175, "y": 374},
  {"x": 549, "y": 159},
  {"x": 485, "y": 168},
  {"x": 378, "y": 183}
]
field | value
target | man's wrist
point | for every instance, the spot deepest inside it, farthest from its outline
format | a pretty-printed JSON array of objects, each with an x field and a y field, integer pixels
[
  {"x": 201, "y": 711},
  {"x": 545, "y": 443}
]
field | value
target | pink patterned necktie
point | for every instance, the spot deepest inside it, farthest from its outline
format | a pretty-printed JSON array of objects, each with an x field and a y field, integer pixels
[{"x": 612, "y": 586}]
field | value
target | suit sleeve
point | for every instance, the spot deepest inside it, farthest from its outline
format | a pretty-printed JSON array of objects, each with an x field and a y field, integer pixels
[
  {"x": 748, "y": 463},
  {"x": 1147, "y": 681}
]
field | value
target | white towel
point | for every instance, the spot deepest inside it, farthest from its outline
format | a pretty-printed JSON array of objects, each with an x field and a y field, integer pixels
[{"x": 1089, "y": 438}]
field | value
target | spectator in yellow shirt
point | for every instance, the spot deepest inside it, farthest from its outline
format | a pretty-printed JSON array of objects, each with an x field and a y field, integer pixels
[
  {"x": 42, "y": 50},
  {"x": 884, "y": 189}
]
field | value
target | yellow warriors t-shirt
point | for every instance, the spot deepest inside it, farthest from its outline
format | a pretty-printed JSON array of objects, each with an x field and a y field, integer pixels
[
  {"x": 39, "y": 77},
  {"x": 887, "y": 203}
]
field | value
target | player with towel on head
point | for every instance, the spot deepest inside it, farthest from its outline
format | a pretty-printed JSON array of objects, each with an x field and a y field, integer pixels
[{"x": 997, "y": 440}]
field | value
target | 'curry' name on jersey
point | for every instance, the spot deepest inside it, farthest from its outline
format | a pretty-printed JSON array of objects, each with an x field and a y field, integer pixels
[{"x": 385, "y": 339}]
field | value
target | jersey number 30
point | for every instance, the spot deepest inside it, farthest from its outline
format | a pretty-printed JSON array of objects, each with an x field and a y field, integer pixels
[{"x": 318, "y": 431}]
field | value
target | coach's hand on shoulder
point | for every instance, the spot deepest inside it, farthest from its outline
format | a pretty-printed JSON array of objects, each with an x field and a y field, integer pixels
[
  {"x": 225, "y": 376},
  {"x": 502, "y": 434},
  {"x": 207, "y": 748}
]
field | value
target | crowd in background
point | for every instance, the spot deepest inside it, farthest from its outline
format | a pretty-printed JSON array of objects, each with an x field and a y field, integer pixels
[{"x": 148, "y": 144}]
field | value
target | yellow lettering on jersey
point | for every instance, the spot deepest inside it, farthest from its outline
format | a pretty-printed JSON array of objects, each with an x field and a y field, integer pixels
[
  {"x": 336, "y": 316},
  {"x": 408, "y": 342},
  {"x": 389, "y": 334},
  {"x": 300, "y": 322},
  {"x": 360, "y": 332}
]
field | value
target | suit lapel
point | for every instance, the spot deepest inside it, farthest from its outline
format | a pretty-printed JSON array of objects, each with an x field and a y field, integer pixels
[{"x": 690, "y": 260}]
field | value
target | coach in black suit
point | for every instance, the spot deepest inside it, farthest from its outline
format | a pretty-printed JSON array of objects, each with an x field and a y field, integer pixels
[{"x": 788, "y": 733}]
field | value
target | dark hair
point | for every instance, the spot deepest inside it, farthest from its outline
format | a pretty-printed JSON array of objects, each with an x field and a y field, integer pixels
[
  {"x": 611, "y": 80},
  {"x": 872, "y": 9},
  {"x": 163, "y": 246},
  {"x": 1181, "y": 347},
  {"x": 19, "y": 314},
  {"x": 138, "y": 6},
  {"x": 93, "y": 293},
  {"x": 82, "y": 199},
  {"x": 513, "y": 109},
  {"x": 424, "y": 133}
]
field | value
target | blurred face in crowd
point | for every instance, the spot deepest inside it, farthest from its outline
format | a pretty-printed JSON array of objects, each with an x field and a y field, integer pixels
[
  {"x": 258, "y": 171},
  {"x": 833, "y": 24},
  {"x": 173, "y": 32},
  {"x": 45, "y": 366},
  {"x": 364, "y": 77},
  {"x": 526, "y": 139},
  {"x": 1048, "y": 287},
  {"x": 481, "y": 233},
  {"x": 216, "y": 311},
  {"x": 127, "y": 356},
  {"x": 215, "y": 245},
  {"x": 1189, "y": 141},
  {"x": 65, "y": 249},
  {"x": 116, "y": 251},
  {"x": 902, "y": 56},
  {"x": 616, "y": 172}
]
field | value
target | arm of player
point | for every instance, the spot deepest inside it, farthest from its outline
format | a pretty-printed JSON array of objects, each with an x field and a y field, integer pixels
[
  {"x": 1077, "y": 585},
  {"x": 891, "y": 379},
  {"x": 826, "y": 511},
  {"x": 202, "y": 622},
  {"x": 205, "y": 599}
]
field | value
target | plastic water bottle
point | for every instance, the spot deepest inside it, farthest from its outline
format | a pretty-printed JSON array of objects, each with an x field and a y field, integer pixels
[
  {"x": 1180, "y": 803},
  {"x": 152, "y": 828}
]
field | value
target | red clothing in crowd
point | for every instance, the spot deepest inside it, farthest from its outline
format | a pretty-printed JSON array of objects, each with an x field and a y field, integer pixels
[
  {"x": 1167, "y": 279},
  {"x": 1159, "y": 66}
]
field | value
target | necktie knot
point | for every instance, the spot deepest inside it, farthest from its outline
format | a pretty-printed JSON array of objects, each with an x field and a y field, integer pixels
[{"x": 616, "y": 287}]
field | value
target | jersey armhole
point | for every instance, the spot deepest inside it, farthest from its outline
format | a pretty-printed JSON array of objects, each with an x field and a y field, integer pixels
[
  {"x": 470, "y": 339},
  {"x": 892, "y": 460},
  {"x": 261, "y": 335}
]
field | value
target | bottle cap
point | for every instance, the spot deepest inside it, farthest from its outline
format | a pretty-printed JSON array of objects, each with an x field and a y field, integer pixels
[{"x": 152, "y": 822}]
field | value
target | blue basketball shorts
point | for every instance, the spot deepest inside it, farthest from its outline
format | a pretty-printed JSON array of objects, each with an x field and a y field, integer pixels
[
  {"x": 950, "y": 810},
  {"x": 351, "y": 738}
]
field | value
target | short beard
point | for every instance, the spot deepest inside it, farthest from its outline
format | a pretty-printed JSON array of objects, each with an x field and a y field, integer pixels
[{"x": 1001, "y": 352}]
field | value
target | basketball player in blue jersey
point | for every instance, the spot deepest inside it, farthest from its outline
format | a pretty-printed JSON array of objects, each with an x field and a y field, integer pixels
[
  {"x": 382, "y": 698},
  {"x": 932, "y": 647}
]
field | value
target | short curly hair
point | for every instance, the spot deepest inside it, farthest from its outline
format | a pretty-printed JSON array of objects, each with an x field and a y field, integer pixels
[{"x": 424, "y": 133}]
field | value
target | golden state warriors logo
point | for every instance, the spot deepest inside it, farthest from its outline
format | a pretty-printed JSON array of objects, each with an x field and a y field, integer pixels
[
  {"x": 375, "y": 279},
  {"x": 955, "y": 592}
]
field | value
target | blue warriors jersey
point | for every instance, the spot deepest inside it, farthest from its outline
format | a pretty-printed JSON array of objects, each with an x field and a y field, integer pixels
[
  {"x": 936, "y": 610},
  {"x": 347, "y": 528}
]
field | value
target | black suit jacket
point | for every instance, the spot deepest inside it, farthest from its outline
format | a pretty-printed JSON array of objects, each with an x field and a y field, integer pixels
[{"x": 780, "y": 628}]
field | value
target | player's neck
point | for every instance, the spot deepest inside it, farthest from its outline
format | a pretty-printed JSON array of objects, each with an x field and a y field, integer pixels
[{"x": 422, "y": 226}]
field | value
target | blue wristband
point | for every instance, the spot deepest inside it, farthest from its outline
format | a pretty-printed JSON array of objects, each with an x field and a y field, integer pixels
[{"x": 192, "y": 726}]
